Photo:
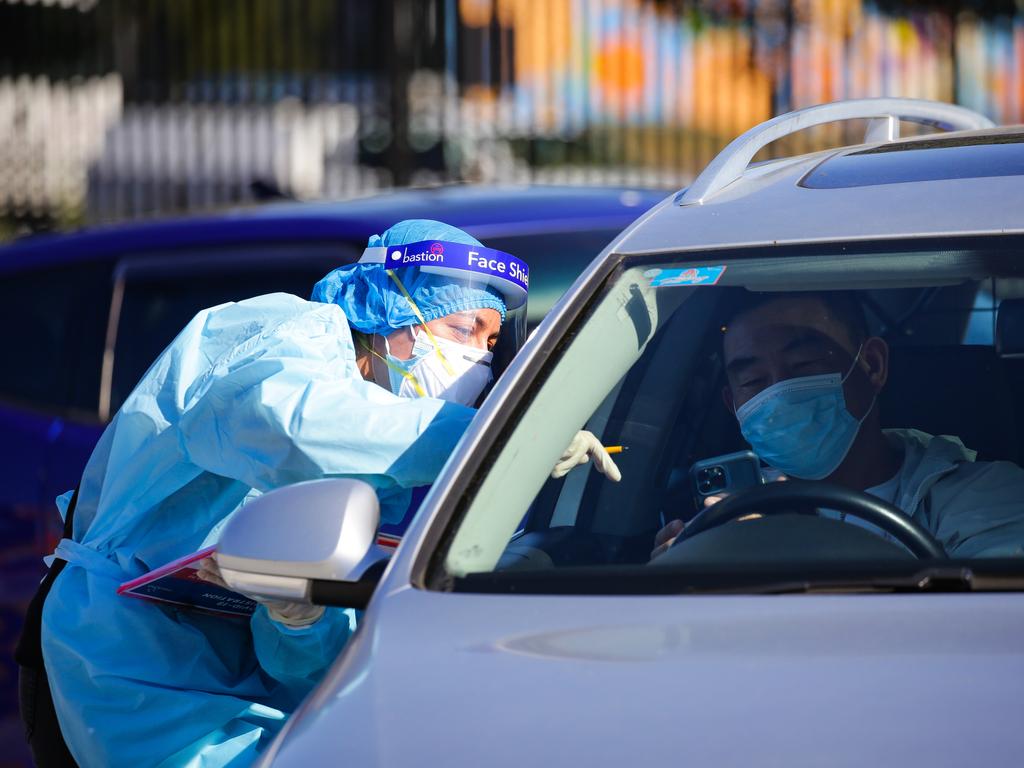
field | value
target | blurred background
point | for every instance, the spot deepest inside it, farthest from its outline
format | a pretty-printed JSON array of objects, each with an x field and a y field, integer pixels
[{"x": 118, "y": 109}]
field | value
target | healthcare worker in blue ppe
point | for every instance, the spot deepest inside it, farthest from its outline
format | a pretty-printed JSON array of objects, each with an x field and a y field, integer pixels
[{"x": 374, "y": 379}]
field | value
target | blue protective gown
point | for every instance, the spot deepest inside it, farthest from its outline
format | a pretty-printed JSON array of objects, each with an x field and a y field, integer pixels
[{"x": 250, "y": 396}]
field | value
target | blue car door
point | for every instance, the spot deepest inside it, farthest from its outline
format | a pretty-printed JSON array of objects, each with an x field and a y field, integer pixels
[{"x": 52, "y": 321}]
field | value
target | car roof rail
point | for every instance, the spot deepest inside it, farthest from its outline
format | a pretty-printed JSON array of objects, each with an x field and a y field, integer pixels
[{"x": 883, "y": 114}]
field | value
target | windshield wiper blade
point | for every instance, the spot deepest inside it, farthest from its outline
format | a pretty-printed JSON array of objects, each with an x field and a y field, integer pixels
[
  {"x": 997, "y": 575},
  {"x": 934, "y": 579}
]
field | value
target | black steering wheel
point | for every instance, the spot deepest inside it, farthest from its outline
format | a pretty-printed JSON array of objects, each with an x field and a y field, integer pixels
[{"x": 779, "y": 498}]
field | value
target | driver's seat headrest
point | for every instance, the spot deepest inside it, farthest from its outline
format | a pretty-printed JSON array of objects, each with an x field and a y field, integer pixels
[
  {"x": 1010, "y": 328},
  {"x": 958, "y": 390}
]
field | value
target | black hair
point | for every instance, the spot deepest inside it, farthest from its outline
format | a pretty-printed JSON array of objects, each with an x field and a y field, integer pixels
[{"x": 844, "y": 306}]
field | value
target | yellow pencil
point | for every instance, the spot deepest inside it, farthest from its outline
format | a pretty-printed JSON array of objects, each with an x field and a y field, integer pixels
[{"x": 616, "y": 448}]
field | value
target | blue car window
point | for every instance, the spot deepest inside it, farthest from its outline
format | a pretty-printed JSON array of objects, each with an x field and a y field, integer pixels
[
  {"x": 555, "y": 259},
  {"x": 52, "y": 325},
  {"x": 157, "y": 304}
]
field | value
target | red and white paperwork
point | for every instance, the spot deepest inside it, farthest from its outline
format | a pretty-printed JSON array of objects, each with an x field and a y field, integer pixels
[{"x": 178, "y": 583}]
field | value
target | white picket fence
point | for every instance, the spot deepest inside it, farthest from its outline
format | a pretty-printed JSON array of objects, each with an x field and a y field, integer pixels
[{"x": 50, "y": 133}]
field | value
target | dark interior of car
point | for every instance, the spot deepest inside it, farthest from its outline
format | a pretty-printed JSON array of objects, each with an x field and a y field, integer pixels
[{"x": 939, "y": 382}]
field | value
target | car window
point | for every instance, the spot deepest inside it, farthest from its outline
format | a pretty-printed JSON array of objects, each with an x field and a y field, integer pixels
[
  {"x": 556, "y": 259},
  {"x": 647, "y": 368},
  {"x": 161, "y": 295},
  {"x": 52, "y": 325}
]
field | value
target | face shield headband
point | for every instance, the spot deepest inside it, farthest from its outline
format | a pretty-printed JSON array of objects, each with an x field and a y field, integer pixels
[{"x": 502, "y": 271}]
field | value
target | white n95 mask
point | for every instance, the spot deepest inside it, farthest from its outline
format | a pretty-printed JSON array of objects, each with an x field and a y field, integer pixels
[{"x": 459, "y": 377}]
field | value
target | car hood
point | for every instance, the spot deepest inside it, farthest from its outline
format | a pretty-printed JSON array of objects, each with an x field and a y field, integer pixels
[{"x": 470, "y": 680}]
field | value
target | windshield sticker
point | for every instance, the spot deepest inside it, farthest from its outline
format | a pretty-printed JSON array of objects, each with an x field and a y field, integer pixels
[{"x": 684, "y": 276}]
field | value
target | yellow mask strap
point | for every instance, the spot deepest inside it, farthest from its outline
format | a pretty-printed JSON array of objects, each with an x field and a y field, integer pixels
[
  {"x": 397, "y": 369},
  {"x": 423, "y": 322}
]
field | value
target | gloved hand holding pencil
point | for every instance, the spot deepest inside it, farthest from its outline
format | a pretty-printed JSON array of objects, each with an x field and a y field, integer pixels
[{"x": 583, "y": 447}]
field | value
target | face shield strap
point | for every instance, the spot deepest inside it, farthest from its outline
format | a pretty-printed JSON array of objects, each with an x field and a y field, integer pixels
[
  {"x": 419, "y": 316},
  {"x": 407, "y": 375}
]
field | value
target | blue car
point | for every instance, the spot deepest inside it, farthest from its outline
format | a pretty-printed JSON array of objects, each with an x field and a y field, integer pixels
[{"x": 84, "y": 314}]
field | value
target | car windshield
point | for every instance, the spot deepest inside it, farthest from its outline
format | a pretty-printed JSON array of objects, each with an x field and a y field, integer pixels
[{"x": 851, "y": 405}]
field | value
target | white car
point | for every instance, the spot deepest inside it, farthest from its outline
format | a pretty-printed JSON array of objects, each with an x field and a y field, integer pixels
[{"x": 522, "y": 621}]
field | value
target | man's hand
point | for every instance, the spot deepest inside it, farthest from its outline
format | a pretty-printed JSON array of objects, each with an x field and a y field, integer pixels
[
  {"x": 583, "y": 447},
  {"x": 666, "y": 537}
]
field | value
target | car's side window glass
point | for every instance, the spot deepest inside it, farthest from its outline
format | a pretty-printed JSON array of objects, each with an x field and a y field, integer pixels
[
  {"x": 615, "y": 335},
  {"x": 555, "y": 260},
  {"x": 52, "y": 326},
  {"x": 160, "y": 297},
  {"x": 662, "y": 391}
]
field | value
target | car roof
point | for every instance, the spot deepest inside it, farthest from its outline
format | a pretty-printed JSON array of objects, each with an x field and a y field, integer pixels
[
  {"x": 484, "y": 211},
  {"x": 956, "y": 183}
]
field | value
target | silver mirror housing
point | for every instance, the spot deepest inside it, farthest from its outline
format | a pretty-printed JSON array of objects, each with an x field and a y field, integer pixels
[{"x": 278, "y": 545}]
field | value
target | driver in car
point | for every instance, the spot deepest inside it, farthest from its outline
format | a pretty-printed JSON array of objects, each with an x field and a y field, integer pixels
[{"x": 804, "y": 377}]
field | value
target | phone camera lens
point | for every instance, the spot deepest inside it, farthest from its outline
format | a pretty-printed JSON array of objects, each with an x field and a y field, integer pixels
[
  {"x": 716, "y": 478},
  {"x": 711, "y": 479}
]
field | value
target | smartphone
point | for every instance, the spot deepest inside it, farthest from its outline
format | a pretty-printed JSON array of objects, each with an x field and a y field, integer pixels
[{"x": 725, "y": 474}]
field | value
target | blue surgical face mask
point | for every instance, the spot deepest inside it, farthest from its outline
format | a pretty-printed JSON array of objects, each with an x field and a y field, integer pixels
[{"x": 801, "y": 426}]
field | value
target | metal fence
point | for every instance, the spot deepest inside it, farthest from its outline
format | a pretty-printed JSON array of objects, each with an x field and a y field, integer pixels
[{"x": 121, "y": 108}]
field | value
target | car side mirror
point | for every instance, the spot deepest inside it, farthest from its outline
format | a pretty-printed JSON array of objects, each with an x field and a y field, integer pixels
[{"x": 312, "y": 542}]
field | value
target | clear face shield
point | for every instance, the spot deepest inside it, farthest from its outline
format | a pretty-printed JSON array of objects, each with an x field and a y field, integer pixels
[{"x": 464, "y": 341}]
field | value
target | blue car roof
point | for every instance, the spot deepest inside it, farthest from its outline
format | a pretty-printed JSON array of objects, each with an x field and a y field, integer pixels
[{"x": 483, "y": 211}]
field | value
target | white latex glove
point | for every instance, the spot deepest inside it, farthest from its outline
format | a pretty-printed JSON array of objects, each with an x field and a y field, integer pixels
[
  {"x": 290, "y": 614},
  {"x": 583, "y": 447}
]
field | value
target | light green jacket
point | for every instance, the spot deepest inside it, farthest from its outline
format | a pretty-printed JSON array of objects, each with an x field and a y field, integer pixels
[{"x": 974, "y": 508}]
